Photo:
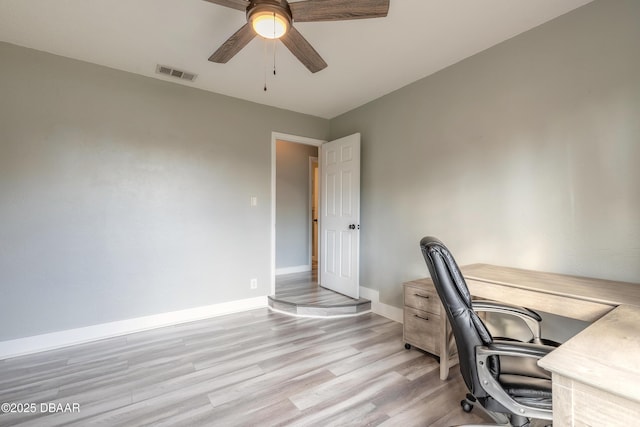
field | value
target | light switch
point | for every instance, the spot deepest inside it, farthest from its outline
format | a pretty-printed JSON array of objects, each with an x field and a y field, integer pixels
[{"x": 254, "y": 201}]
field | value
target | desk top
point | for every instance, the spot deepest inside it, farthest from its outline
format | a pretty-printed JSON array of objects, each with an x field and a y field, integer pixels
[
  {"x": 581, "y": 288},
  {"x": 604, "y": 356}
]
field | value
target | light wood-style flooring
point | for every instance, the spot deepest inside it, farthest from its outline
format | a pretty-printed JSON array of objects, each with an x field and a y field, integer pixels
[
  {"x": 256, "y": 368},
  {"x": 299, "y": 293}
]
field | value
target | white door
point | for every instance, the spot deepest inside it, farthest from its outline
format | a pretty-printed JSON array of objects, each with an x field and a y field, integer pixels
[{"x": 340, "y": 215}]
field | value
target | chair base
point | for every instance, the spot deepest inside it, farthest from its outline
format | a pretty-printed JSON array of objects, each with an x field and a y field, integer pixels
[
  {"x": 500, "y": 419},
  {"x": 468, "y": 402}
]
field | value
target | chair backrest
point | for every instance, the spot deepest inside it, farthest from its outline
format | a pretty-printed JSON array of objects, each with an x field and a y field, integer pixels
[{"x": 468, "y": 329}]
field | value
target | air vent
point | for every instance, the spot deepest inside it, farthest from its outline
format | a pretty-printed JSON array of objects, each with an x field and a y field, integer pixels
[{"x": 179, "y": 74}]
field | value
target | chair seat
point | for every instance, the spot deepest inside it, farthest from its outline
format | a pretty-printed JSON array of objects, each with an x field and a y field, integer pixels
[{"x": 528, "y": 391}]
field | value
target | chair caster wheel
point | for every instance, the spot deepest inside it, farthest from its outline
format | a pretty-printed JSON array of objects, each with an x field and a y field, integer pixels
[
  {"x": 466, "y": 406},
  {"x": 407, "y": 346}
]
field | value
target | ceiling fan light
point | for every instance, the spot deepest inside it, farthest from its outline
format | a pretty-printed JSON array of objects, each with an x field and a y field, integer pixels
[{"x": 270, "y": 25}]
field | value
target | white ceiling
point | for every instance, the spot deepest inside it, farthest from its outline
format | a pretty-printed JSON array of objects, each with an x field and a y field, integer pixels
[{"x": 367, "y": 58}]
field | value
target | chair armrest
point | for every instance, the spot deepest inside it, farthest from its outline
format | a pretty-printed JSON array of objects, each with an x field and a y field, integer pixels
[
  {"x": 491, "y": 384},
  {"x": 515, "y": 348},
  {"x": 506, "y": 308},
  {"x": 530, "y": 317}
]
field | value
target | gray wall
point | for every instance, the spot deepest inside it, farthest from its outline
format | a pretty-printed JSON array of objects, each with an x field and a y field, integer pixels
[
  {"x": 123, "y": 196},
  {"x": 292, "y": 203},
  {"x": 525, "y": 155}
]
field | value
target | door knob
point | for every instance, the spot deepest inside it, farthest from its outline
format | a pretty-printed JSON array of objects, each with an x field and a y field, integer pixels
[{"x": 352, "y": 227}]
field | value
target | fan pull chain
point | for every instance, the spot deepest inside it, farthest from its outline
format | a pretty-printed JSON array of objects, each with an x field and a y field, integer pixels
[
  {"x": 275, "y": 44},
  {"x": 274, "y": 53},
  {"x": 265, "y": 64},
  {"x": 266, "y": 48}
]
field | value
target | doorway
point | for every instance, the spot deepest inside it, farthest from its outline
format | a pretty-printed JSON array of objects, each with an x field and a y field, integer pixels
[{"x": 294, "y": 191}]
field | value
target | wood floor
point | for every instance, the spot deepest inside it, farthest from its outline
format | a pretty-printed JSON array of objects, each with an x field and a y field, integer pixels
[
  {"x": 256, "y": 368},
  {"x": 300, "y": 294}
]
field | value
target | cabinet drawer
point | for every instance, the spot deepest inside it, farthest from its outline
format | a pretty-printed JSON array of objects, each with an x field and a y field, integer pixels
[
  {"x": 421, "y": 329},
  {"x": 422, "y": 299}
]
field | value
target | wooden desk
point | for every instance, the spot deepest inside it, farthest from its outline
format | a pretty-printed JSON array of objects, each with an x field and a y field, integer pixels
[
  {"x": 575, "y": 297},
  {"x": 595, "y": 375}
]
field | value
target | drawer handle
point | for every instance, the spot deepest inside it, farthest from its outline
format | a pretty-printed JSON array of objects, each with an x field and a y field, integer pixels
[
  {"x": 420, "y": 317},
  {"x": 421, "y": 296}
]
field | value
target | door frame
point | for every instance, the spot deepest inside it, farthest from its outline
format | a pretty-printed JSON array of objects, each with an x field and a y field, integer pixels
[
  {"x": 312, "y": 179},
  {"x": 289, "y": 138}
]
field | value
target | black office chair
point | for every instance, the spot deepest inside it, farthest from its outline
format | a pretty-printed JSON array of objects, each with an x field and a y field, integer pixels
[{"x": 502, "y": 376}]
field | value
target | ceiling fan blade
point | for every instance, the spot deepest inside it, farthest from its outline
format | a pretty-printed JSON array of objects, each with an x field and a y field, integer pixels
[
  {"x": 338, "y": 10},
  {"x": 233, "y": 44},
  {"x": 303, "y": 50},
  {"x": 233, "y": 4}
]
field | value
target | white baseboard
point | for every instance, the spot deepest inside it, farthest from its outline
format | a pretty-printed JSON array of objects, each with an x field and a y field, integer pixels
[
  {"x": 384, "y": 310},
  {"x": 50, "y": 341},
  {"x": 313, "y": 316},
  {"x": 294, "y": 269}
]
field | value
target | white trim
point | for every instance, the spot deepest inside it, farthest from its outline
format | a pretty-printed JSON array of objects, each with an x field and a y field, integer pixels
[
  {"x": 294, "y": 269},
  {"x": 295, "y": 138},
  {"x": 316, "y": 316},
  {"x": 290, "y": 138},
  {"x": 384, "y": 310},
  {"x": 50, "y": 341},
  {"x": 312, "y": 160}
]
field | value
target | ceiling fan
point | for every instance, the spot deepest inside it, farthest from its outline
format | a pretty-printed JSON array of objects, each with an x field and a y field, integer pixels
[{"x": 274, "y": 19}]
